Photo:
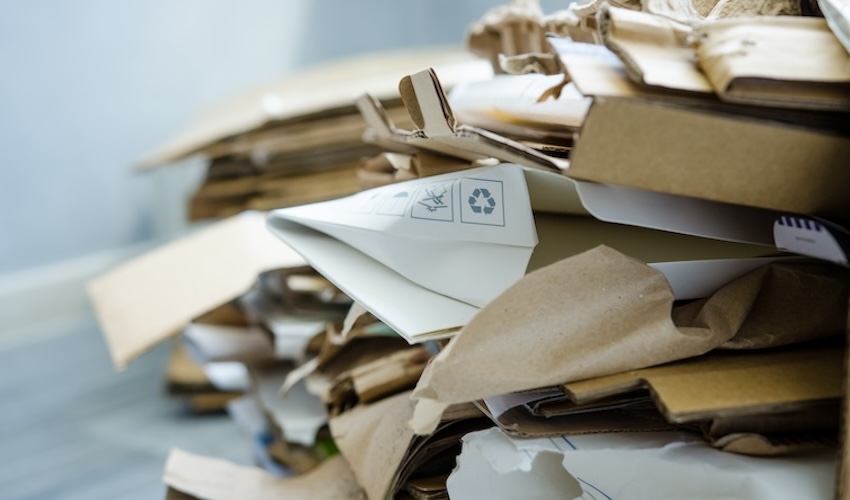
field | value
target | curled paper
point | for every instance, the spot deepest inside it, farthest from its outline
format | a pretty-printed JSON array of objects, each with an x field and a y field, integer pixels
[{"x": 601, "y": 312}]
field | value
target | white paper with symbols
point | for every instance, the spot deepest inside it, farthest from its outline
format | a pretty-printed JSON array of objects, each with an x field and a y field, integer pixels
[
  {"x": 480, "y": 218},
  {"x": 425, "y": 255}
]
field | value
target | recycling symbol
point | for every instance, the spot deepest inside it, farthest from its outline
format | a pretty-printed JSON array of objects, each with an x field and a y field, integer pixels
[{"x": 481, "y": 201}]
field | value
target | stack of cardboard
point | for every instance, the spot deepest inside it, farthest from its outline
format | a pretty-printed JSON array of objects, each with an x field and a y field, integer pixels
[
  {"x": 625, "y": 278},
  {"x": 296, "y": 141}
]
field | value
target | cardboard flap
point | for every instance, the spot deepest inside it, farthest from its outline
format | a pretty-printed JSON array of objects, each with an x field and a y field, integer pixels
[
  {"x": 729, "y": 384},
  {"x": 216, "y": 479},
  {"x": 430, "y": 100},
  {"x": 783, "y": 61},
  {"x": 429, "y": 108},
  {"x": 654, "y": 49},
  {"x": 153, "y": 297}
]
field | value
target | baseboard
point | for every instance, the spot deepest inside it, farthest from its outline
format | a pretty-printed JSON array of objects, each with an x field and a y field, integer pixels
[{"x": 44, "y": 300}]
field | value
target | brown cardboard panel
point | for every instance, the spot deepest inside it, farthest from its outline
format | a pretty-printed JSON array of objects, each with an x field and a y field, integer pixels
[
  {"x": 758, "y": 163},
  {"x": 730, "y": 383},
  {"x": 154, "y": 296}
]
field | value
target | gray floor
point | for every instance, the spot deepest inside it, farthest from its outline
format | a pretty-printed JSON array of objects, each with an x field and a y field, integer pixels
[{"x": 73, "y": 428}]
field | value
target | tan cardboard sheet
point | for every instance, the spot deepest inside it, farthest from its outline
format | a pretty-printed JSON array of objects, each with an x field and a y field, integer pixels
[
  {"x": 713, "y": 156},
  {"x": 729, "y": 383},
  {"x": 153, "y": 297}
]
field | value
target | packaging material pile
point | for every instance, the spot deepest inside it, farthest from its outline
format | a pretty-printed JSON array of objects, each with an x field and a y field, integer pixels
[{"x": 608, "y": 263}]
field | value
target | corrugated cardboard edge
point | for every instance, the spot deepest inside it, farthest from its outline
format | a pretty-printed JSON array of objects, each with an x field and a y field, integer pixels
[
  {"x": 152, "y": 297},
  {"x": 732, "y": 383}
]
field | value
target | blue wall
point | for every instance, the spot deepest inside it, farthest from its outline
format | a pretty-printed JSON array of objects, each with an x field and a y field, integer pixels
[{"x": 87, "y": 87}]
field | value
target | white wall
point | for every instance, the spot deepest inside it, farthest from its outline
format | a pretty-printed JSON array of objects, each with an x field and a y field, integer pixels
[{"x": 89, "y": 86}]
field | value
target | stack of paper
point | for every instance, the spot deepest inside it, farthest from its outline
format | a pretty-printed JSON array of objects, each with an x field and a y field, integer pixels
[{"x": 617, "y": 273}]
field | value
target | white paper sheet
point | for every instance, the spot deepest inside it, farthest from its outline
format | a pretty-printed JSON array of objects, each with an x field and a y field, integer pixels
[
  {"x": 300, "y": 414},
  {"x": 424, "y": 255},
  {"x": 228, "y": 375},
  {"x": 482, "y": 218},
  {"x": 646, "y": 466}
]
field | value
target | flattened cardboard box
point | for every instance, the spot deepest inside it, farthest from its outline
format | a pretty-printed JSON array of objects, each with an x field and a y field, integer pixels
[
  {"x": 725, "y": 158},
  {"x": 153, "y": 297}
]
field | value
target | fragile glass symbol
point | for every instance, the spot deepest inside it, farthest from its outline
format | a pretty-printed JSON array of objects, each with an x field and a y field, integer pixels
[
  {"x": 481, "y": 201},
  {"x": 434, "y": 200}
]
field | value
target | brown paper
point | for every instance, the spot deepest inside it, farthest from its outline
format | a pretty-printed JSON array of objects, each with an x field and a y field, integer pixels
[
  {"x": 775, "y": 305},
  {"x": 375, "y": 439},
  {"x": 385, "y": 453},
  {"x": 216, "y": 479},
  {"x": 597, "y": 313}
]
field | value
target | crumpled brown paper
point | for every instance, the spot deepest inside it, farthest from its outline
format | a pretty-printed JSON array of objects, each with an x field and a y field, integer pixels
[
  {"x": 602, "y": 312},
  {"x": 385, "y": 453}
]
